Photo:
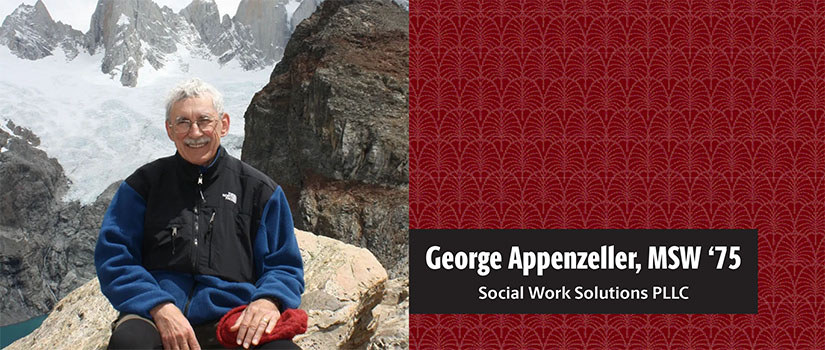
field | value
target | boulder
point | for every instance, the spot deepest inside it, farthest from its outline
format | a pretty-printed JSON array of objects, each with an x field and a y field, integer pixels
[
  {"x": 81, "y": 320},
  {"x": 392, "y": 317},
  {"x": 344, "y": 284}
]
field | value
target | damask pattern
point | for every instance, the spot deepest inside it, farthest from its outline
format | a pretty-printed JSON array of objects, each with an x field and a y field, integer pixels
[{"x": 626, "y": 114}]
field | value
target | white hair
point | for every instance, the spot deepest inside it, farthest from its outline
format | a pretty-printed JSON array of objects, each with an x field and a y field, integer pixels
[{"x": 194, "y": 88}]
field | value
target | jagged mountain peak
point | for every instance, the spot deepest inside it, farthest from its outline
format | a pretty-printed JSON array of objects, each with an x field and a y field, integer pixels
[
  {"x": 26, "y": 10},
  {"x": 206, "y": 4},
  {"x": 203, "y": 14},
  {"x": 206, "y": 7},
  {"x": 131, "y": 32},
  {"x": 39, "y": 5},
  {"x": 139, "y": 34},
  {"x": 31, "y": 14},
  {"x": 31, "y": 33}
]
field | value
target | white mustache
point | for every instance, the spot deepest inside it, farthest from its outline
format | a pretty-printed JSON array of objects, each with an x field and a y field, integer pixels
[{"x": 192, "y": 142}]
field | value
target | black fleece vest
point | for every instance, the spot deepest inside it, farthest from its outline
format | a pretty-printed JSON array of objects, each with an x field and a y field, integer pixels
[{"x": 202, "y": 222}]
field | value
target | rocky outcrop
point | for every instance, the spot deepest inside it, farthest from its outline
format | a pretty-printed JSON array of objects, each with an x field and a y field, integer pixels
[
  {"x": 392, "y": 317},
  {"x": 81, "y": 320},
  {"x": 29, "y": 180},
  {"x": 331, "y": 127},
  {"x": 343, "y": 285},
  {"x": 46, "y": 245},
  {"x": 31, "y": 33}
]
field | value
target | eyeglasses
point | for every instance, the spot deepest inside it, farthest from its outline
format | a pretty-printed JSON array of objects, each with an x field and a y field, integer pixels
[{"x": 182, "y": 125}]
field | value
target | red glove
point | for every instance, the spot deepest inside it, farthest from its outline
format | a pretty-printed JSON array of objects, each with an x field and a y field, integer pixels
[{"x": 292, "y": 322}]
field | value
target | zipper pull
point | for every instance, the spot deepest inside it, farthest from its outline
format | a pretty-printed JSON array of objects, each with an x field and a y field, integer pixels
[
  {"x": 174, "y": 233},
  {"x": 200, "y": 183},
  {"x": 211, "y": 220},
  {"x": 209, "y": 236}
]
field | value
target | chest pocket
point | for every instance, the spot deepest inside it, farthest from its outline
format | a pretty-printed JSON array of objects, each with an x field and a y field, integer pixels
[{"x": 167, "y": 244}]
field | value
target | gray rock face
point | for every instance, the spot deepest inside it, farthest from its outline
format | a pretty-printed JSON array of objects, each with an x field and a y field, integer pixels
[
  {"x": 30, "y": 180},
  {"x": 331, "y": 127},
  {"x": 256, "y": 36},
  {"x": 130, "y": 31},
  {"x": 31, "y": 33},
  {"x": 46, "y": 245},
  {"x": 134, "y": 31},
  {"x": 266, "y": 21},
  {"x": 236, "y": 42},
  {"x": 204, "y": 16}
]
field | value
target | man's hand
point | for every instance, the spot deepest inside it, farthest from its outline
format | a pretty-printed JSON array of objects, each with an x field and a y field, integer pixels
[
  {"x": 259, "y": 316},
  {"x": 175, "y": 330}
]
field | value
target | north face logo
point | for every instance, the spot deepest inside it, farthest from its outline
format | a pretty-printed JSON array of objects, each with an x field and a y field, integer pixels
[{"x": 230, "y": 197}]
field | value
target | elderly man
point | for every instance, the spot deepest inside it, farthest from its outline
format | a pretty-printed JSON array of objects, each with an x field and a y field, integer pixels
[{"x": 191, "y": 236}]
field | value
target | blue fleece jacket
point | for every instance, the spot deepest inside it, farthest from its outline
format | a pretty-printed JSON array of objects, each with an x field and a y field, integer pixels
[{"x": 132, "y": 289}]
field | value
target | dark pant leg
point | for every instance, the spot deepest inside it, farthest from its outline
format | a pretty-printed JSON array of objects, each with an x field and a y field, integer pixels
[
  {"x": 208, "y": 339},
  {"x": 279, "y": 345},
  {"x": 135, "y": 334}
]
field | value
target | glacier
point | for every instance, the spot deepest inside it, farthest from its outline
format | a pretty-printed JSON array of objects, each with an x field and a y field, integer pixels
[{"x": 101, "y": 131}]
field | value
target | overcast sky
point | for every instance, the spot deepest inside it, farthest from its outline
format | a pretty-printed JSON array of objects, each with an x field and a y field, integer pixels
[{"x": 78, "y": 13}]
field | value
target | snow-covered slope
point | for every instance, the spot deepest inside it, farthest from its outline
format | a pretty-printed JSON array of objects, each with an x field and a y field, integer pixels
[{"x": 101, "y": 131}]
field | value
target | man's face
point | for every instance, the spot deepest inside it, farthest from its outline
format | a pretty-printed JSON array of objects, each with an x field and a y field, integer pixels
[{"x": 197, "y": 146}]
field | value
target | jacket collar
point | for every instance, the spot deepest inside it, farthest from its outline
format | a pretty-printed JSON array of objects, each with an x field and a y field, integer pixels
[{"x": 194, "y": 170}]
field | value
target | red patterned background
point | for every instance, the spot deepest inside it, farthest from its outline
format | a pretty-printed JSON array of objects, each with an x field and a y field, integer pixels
[{"x": 626, "y": 114}]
